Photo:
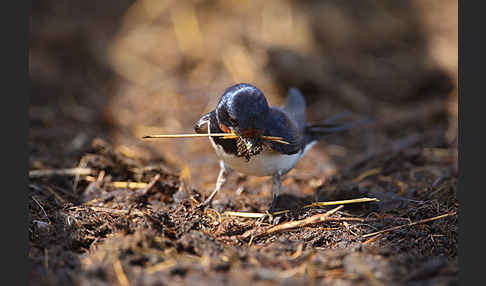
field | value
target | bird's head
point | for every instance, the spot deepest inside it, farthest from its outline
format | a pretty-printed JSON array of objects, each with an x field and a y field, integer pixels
[{"x": 243, "y": 109}]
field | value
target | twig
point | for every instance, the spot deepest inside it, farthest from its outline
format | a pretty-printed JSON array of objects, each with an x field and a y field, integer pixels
[
  {"x": 370, "y": 240},
  {"x": 410, "y": 224},
  {"x": 319, "y": 218},
  {"x": 66, "y": 192},
  {"x": 161, "y": 266},
  {"x": 46, "y": 258},
  {"x": 298, "y": 252},
  {"x": 120, "y": 184},
  {"x": 352, "y": 219},
  {"x": 128, "y": 185},
  {"x": 60, "y": 172},
  {"x": 316, "y": 204},
  {"x": 111, "y": 211},
  {"x": 82, "y": 164},
  {"x": 367, "y": 174},
  {"x": 149, "y": 186},
  {"x": 58, "y": 197},
  {"x": 41, "y": 209},
  {"x": 304, "y": 222},
  {"x": 120, "y": 274}
]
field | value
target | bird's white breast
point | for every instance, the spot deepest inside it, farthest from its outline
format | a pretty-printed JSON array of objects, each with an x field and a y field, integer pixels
[{"x": 266, "y": 163}]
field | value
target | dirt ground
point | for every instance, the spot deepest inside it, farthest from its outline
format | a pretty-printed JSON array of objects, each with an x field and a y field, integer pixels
[{"x": 106, "y": 207}]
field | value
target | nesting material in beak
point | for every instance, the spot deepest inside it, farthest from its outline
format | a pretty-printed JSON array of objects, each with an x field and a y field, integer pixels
[{"x": 248, "y": 147}]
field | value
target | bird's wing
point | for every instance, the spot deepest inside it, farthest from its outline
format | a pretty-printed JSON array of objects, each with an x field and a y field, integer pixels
[
  {"x": 280, "y": 124},
  {"x": 296, "y": 107}
]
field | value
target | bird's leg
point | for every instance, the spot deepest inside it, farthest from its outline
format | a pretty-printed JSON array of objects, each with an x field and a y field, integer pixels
[
  {"x": 223, "y": 172},
  {"x": 276, "y": 187}
]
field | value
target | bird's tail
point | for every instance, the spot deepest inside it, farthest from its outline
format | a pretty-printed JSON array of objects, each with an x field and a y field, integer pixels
[{"x": 317, "y": 131}]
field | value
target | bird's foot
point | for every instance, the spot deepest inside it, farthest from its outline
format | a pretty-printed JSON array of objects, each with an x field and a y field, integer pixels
[
  {"x": 273, "y": 205},
  {"x": 273, "y": 218},
  {"x": 219, "y": 183},
  {"x": 267, "y": 216}
]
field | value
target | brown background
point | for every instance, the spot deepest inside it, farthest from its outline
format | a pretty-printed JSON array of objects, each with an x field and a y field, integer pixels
[{"x": 118, "y": 70}]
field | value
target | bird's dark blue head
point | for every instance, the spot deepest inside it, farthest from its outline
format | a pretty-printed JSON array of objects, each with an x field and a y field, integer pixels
[{"x": 243, "y": 109}]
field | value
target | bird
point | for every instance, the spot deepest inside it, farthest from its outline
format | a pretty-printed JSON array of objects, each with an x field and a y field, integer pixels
[{"x": 243, "y": 110}]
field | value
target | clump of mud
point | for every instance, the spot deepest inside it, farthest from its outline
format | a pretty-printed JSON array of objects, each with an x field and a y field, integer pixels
[{"x": 247, "y": 148}]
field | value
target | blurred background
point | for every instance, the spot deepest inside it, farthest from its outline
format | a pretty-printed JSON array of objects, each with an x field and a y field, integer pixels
[{"x": 122, "y": 69}]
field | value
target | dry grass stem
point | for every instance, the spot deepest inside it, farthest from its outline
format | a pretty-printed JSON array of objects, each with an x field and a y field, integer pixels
[
  {"x": 187, "y": 135},
  {"x": 120, "y": 274},
  {"x": 343, "y": 202},
  {"x": 46, "y": 258},
  {"x": 222, "y": 135},
  {"x": 82, "y": 164},
  {"x": 58, "y": 197},
  {"x": 127, "y": 184},
  {"x": 120, "y": 184},
  {"x": 367, "y": 173},
  {"x": 410, "y": 224},
  {"x": 161, "y": 266},
  {"x": 244, "y": 214},
  {"x": 60, "y": 172},
  {"x": 316, "y": 204},
  {"x": 149, "y": 185},
  {"x": 42, "y": 208},
  {"x": 111, "y": 211}
]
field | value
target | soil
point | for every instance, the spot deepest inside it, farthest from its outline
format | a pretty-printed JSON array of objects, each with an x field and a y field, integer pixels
[{"x": 122, "y": 210}]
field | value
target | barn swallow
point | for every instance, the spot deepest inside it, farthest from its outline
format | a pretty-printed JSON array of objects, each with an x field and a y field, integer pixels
[{"x": 243, "y": 110}]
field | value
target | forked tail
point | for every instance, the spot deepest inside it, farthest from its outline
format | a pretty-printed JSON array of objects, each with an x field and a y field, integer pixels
[{"x": 314, "y": 132}]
